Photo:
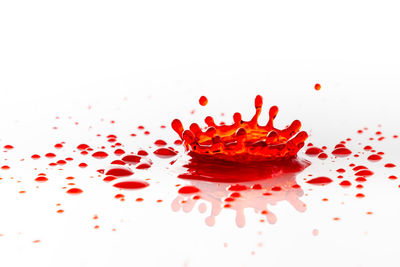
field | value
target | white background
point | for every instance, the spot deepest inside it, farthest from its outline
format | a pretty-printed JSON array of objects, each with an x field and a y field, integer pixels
[{"x": 147, "y": 62}]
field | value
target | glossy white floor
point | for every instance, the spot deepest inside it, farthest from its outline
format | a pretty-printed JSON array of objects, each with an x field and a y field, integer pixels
[{"x": 60, "y": 60}]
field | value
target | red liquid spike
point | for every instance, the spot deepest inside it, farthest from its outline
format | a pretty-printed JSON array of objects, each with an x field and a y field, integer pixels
[{"x": 243, "y": 140}]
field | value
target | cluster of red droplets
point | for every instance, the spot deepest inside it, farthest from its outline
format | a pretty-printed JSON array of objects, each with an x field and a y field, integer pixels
[{"x": 243, "y": 140}]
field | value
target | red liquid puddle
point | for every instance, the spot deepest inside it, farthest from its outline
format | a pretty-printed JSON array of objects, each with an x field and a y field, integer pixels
[
  {"x": 243, "y": 141},
  {"x": 217, "y": 170},
  {"x": 131, "y": 185}
]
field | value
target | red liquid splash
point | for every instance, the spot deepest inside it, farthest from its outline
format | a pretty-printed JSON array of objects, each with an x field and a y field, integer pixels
[{"x": 243, "y": 141}]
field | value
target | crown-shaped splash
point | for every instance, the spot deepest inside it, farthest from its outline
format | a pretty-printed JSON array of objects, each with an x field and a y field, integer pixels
[{"x": 243, "y": 141}]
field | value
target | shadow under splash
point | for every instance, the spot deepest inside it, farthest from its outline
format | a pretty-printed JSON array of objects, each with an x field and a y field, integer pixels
[{"x": 237, "y": 186}]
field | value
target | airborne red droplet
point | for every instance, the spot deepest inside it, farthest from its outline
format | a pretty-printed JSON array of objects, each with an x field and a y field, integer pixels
[{"x": 203, "y": 100}]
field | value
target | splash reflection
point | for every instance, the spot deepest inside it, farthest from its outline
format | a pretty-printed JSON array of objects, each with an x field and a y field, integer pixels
[{"x": 229, "y": 185}]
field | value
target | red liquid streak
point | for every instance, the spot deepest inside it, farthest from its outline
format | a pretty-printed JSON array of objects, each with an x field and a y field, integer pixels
[
  {"x": 243, "y": 140},
  {"x": 131, "y": 185}
]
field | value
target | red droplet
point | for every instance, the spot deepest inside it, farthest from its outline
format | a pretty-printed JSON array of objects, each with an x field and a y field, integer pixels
[
  {"x": 131, "y": 185},
  {"x": 313, "y": 151},
  {"x": 341, "y": 170},
  {"x": 367, "y": 148},
  {"x": 119, "y": 152},
  {"x": 83, "y": 165},
  {"x": 109, "y": 179},
  {"x": 359, "y": 167},
  {"x": 50, "y": 155},
  {"x": 82, "y": 147},
  {"x": 160, "y": 142},
  {"x": 364, "y": 173},
  {"x": 35, "y": 156},
  {"x": 100, "y": 155},
  {"x": 143, "y": 166},
  {"x": 341, "y": 151},
  {"x": 203, "y": 100},
  {"x": 41, "y": 179},
  {"x": 8, "y": 147},
  {"x": 142, "y": 153},
  {"x": 5, "y": 167},
  {"x": 345, "y": 183},
  {"x": 119, "y": 172},
  {"x": 390, "y": 165},
  {"x": 323, "y": 156},
  {"x": 58, "y": 146},
  {"x": 75, "y": 191},
  {"x": 188, "y": 190},
  {"x": 317, "y": 86},
  {"x": 360, "y": 195},
  {"x": 392, "y": 177},
  {"x": 361, "y": 179},
  {"x": 165, "y": 153},
  {"x": 320, "y": 181},
  {"x": 374, "y": 157},
  {"x": 131, "y": 159},
  {"x": 118, "y": 162},
  {"x": 237, "y": 187}
]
